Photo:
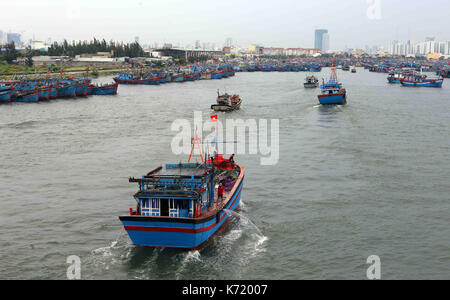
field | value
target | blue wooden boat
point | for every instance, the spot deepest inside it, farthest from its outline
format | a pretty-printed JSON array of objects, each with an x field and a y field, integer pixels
[
  {"x": 44, "y": 93},
  {"x": 67, "y": 90},
  {"x": 395, "y": 77},
  {"x": 146, "y": 79},
  {"x": 422, "y": 81},
  {"x": 53, "y": 90},
  {"x": 179, "y": 77},
  {"x": 81, "y": 89},
  {"x": 178, "y": 204},
  {"x": 109, "y": 89},
  {"x": 332, "y": 91},
  {"x": 217, "y": 74},
  {"x": 6, "y": 94},
  {"x": 26, "y": 96}
]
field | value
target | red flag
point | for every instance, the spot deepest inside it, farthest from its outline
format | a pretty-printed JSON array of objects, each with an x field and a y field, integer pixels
[
  {"x": 87, "y": 69},
  {"x": 214, "y": 118}
]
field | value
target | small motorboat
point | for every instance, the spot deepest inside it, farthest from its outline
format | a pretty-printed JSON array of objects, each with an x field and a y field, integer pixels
[
  {"x": 354, "y": 70},
  {"x": 227, "y": 103},
  {"x": 311, "y": 82}
]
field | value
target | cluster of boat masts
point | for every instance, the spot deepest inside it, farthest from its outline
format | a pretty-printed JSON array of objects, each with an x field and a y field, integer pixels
[{"x": 44, "y": 89}]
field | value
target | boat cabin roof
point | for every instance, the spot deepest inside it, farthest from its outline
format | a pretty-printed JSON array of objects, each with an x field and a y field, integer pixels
[{"x": 177, "y": 170}]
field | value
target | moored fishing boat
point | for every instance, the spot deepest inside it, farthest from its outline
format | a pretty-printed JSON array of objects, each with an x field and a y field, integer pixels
[
  {"x": 422, "y": 81},
  {"x": 183, "y": 205},
  {"x": 44, "y": 93},
  {"x": 81, "y": 89},
  {"x": 66, "y": 90},
  {"x": 178, "y": 77},
  {"x": 332, "y": 91},
  {"x": 26, "y": 96},
  {"x": 395, "y": 77},
  {"x": 108, "y": 89},
  {"x": 6, "y": 94},
  {"x": 217, "y": 74}
]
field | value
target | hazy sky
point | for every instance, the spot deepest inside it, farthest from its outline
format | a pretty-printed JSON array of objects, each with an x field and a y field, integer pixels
[{"x": 282, "y": 23}]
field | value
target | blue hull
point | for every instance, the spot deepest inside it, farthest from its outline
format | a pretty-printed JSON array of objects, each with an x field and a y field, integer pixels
[
  {"x": 81, "y": 90},
  {"x": 217, "y": 76},
  {"x": 332, "y": 100},
  {"x": 181, "y": 233},
  {"x": 44, "y": 95},
  {"x": 423, "y": 84},
  {"x": 103, "y": 91},
  {"x": 5, "y": 96},
  {"x": 178, "y": 79},
  {"x": 27, "y": 98},
  {"x": 67, "y": 91}
]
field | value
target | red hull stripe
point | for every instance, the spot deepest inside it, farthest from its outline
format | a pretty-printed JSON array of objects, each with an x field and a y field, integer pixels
[
  {"x": 321, "y": 96},
  {"x": 183, "y": 230}
]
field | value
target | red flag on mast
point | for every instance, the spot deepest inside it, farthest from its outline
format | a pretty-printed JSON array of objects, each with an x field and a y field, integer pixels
[{"x": 214, "y": 118}]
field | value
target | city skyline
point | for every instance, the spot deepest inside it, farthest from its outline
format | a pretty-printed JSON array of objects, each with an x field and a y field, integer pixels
[{"x": 351, "y": 25}]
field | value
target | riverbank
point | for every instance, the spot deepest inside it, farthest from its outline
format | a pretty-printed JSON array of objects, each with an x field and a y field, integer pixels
[{"x": 9, "y": 71}]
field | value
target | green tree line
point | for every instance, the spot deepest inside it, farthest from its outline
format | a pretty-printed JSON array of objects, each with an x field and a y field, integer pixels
[
  {"x": 77, "y": 48},
  {"x": 8, "y": 53}
]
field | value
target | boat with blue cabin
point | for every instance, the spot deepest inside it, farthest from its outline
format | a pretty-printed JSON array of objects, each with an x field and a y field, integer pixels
[
  {"x": 420, "y": 80},
  {"x": 332, "y": 92},
  {"x": 183, "y": 205}
]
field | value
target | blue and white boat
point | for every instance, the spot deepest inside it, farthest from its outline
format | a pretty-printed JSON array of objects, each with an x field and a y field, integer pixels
[
  {"x": 178, "y": 205},
  {"x": 108, "y": 89},
  {"x": 332, "y": 92},
  {"x": 422, "y": 81}
]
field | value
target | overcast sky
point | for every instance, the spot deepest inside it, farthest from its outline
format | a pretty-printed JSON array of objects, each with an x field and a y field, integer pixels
[{"x": 277, "y": 23}]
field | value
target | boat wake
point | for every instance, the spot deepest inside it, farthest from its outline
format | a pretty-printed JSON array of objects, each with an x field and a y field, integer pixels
[{"x": 258, "y": 239}]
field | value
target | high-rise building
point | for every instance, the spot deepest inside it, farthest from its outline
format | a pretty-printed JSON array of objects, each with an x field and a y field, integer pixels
[{"x": 319, "y": 38}]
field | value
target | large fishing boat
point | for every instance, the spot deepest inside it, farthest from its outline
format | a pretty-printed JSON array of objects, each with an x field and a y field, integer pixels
[
  {"x": 332, "y": 91},
  {"x": 420, "y": 80},
  {"x": 184, "y": 205}
]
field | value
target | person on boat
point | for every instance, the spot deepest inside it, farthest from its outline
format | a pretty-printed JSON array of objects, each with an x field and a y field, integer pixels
[
  {"x": 221, "y": 190},
  {"x": 231, "y": 160}
]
